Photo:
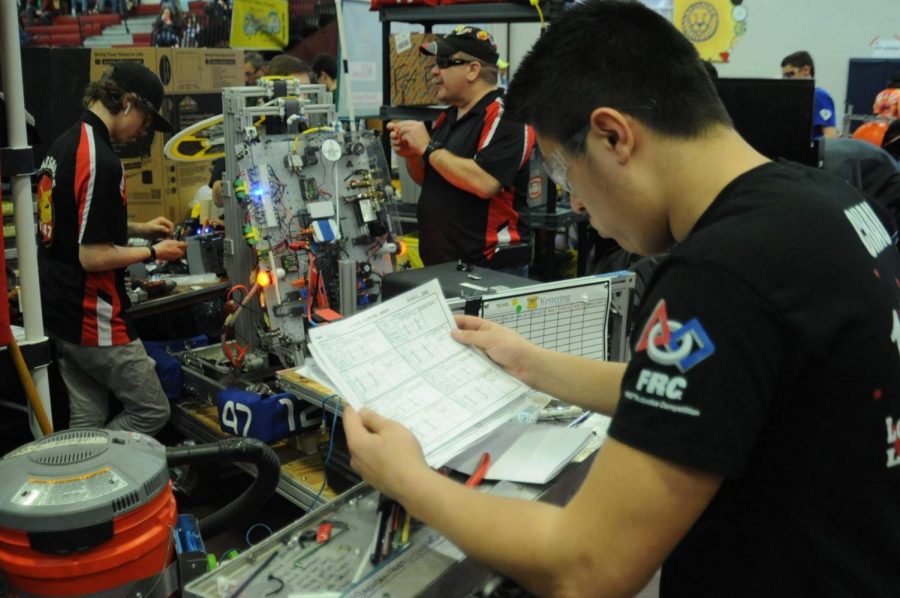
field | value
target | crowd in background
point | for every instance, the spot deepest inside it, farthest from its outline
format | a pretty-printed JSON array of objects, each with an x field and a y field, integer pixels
[
  {"x": 175, "y": 25},
  {"x": 187, "y": 29}
]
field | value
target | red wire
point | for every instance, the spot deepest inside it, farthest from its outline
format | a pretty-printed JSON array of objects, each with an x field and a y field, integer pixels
[
  {"x": 322, "y": 295},
  {"x": 234, "y": 288},
  {"x": 235, "y": 361},
  {"x": 313, "y": 275}
]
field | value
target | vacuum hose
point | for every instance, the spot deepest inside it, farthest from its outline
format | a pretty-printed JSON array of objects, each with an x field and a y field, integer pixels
[{"x": 246, "y": 450}]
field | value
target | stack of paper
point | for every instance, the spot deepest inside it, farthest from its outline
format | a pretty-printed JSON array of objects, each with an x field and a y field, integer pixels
[{"x": 398, "y": 359}]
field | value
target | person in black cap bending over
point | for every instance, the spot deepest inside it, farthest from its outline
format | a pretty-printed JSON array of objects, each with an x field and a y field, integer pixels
[
  {"x": 474, "y": 167},
  {"x": 84, "y": 230}
]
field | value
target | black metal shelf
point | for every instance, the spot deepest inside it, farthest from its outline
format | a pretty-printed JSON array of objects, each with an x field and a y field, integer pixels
[{"x": 454, "y": 14}]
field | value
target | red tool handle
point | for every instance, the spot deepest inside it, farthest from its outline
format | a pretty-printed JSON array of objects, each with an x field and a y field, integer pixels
[{"x": 480, "y": 471}]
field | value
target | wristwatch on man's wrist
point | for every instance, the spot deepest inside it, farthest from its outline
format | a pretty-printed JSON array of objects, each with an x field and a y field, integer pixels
[
  {"x": 432, "y": 146},
  {"x": 152, "y": 257}
]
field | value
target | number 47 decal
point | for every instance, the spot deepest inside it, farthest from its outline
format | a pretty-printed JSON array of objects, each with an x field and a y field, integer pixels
[{"x": 230, "y": 417}]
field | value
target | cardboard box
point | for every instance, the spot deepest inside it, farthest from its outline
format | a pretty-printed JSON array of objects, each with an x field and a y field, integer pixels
[
  {"x": 193, "y": 93},
  {"x": 410, "y": 78},
  {"x": 145, "y": 184},
  {"x": 183, "y": 179},
  {"x": 193, "y": 80},
  {"x": 103, "y": 58},
  {"x": 142, "y": 212},
  {"x": 142, "y": 159},
  {"x": 143, "y": 172},
  {"x": 188, "y": 70},
  {"x": 188, "y": 109}
]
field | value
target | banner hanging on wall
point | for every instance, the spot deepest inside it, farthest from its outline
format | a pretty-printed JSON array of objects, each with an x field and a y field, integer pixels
[
  {"x": 259, "y": 24},
  {"x": 713, "y": 26}
]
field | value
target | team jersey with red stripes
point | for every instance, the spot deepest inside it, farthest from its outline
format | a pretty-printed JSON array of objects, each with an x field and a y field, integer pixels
[
  {"x": 82, "y": 200},
  {"x": 455, "y": 224}
]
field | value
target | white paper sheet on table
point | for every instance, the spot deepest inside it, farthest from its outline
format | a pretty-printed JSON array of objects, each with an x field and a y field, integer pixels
[
  {"x": 526, "y": 453},
  {"x": 398, "y": 359}
]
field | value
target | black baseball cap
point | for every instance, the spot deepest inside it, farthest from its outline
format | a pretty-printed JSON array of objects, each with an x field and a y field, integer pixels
[
  {"x": 138, "y": 79},
  {"x": 465, "y": 38}
]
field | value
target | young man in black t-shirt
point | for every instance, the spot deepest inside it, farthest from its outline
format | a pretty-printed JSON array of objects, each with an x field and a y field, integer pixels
[
  {"x": 755, "y": 443},
  {"x": 84, "y": 231}
]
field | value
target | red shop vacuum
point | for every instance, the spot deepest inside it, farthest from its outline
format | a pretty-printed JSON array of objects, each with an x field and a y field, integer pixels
[{"x": 92, "y": 512}]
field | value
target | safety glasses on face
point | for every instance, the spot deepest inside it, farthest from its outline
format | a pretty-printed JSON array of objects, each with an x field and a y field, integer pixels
[
  {"x": 557, "y": 165},
  {"x": 445, "y": 62},
  {"x": 147, "y": 112}
]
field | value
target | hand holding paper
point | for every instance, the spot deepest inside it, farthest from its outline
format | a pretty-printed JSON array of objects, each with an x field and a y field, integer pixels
[
  {"x": 398, "y": 359},
  {"x": 385, "y": 453},
  {"x": 504, "y": 346}
]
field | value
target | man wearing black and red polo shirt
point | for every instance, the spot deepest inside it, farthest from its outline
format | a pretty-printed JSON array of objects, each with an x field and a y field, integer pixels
[
  {"x": 84, "y": 231},
  {"x": 473, "y": 168}
]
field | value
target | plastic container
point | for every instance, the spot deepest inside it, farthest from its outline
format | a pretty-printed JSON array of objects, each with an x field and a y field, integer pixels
[{"x": 141, "y": 547}]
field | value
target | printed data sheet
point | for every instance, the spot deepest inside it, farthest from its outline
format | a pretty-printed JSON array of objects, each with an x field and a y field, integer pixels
[{"x": 398, "y": 359}]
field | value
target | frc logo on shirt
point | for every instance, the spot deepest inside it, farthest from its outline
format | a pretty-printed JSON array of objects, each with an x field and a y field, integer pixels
[
  {"x": 893, "y": 440},
  {"x": 669, "y": 342}
]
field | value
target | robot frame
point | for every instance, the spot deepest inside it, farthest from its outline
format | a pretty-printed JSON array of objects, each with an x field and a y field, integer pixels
[{"x": 309, "y": 218}]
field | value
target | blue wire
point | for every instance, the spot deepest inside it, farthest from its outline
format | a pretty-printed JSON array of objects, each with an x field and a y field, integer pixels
[
  {"x": 330, "y": 447},
  {"x": 253, "y": 527}
]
